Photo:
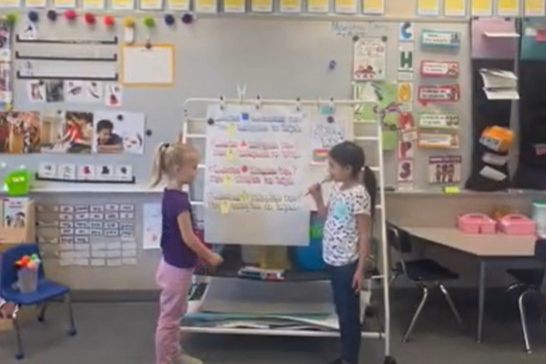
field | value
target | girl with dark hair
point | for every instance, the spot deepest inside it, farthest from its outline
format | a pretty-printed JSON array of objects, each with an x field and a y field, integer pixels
[{"x": 346, "y": 239}]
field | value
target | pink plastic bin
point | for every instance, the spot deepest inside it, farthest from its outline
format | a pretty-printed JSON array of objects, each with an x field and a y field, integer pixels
[
  {"x": 476, "y": 223},
  {"x": 517, "y": 224}
]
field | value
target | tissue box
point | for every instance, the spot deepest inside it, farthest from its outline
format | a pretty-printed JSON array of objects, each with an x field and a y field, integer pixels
[
  {"x": 476, "y": 223},
  {"x": 517, "y": 224}
]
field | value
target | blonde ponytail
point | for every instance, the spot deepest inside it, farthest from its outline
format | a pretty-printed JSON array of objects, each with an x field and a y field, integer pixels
[{"x": 159, "y": 164}]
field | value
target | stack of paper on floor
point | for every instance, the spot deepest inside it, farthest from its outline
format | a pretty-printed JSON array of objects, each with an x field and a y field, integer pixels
[{"x": 500, "y": 84}]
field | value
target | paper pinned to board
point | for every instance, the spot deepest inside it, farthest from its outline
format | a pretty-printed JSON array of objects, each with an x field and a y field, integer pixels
[
  {"x": 500, "y": 84},
  {"x": 143, "y": 66},
  {"x": 151, "y": 217}
]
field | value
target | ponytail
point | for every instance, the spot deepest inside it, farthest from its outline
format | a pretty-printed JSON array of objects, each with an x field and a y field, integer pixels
[
  {"x": 370, "y": 183},
  {"x": 158, "y": 164}
]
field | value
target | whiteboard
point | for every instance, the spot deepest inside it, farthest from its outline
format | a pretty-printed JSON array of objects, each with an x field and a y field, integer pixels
[{"x": 147, "y": 67}]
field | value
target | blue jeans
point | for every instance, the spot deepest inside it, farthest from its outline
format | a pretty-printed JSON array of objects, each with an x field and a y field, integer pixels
[{"x": 347, "y": 304}]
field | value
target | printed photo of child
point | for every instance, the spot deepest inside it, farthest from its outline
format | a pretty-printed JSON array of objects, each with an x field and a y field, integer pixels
[
  {"x": 20, "y": 132},
  {"x": 119, "y": 132},
  {"x": 68, "y": 132},
  {"x": 107, "y": 140}
]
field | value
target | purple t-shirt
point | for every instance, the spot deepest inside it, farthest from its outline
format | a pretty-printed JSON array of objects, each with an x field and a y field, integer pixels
[{"x": 175, "y": 250}]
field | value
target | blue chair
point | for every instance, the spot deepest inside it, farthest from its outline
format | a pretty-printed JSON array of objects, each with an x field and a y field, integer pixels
[{"x": 47, "y": 290}]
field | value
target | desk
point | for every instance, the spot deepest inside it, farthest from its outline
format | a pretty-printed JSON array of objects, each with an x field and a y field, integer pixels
[{"x": 484, "y": 247}]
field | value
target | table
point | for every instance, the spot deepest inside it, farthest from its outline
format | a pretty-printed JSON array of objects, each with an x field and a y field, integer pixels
[{"x": 483, "y": 247}]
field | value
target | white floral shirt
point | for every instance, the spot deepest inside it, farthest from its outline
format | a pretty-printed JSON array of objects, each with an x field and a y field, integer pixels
[{"x": 340, "y": 236}]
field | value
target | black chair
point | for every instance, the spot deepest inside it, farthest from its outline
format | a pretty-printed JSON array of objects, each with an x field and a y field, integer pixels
[
  {"x": 427, "y": 274},
  {"x": 530, "y": 281}
]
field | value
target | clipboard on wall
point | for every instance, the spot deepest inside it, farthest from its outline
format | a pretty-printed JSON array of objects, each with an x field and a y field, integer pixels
[{"x": 147, "y": 67}]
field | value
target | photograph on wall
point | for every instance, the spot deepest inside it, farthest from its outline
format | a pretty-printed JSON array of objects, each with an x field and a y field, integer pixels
[
  {"x": 113, "y": 95},
  {"x": 5, "y": 84},
  {"x": 74, "y": 91},
  {"x": 19, "y": 132},
  {"x": 68, "y": 132},
  {"x": 36, "y": 91},
  {"x": 444, "y": 169},
  {"x": 94, "y": 91},
  {"x": 119, "y": 132},
  {"x": 369, "y": 59},
  {"x": 54, "y": 91}
]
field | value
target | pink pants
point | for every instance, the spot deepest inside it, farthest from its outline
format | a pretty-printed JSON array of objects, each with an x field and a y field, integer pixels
[{"x": 173, "y": 302}]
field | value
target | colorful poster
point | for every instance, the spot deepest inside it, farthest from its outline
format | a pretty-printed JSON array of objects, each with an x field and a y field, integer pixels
[
  {"x": 178, "y": 5},
  {"x": 93, "y": 4},
  {"x": 255, "y": 175},
  {"x": 119, "y": 132},
  {"x": 290, "y": 6},
  {"x": 261, "y": 6},
  {"x": 69, "y": 132},
  {"x": 122, "y": 4},
  {"x": 234, "y": 6},
  {"x": 373, "y": 7},
  {"x": 346, "y": 6},
  {"x": 428, "y": 7},
  {"x": 444, "y": 169},
  {"x": 455, "y": 8},
  {"x": 151, "y": 4},
  {"x": 534, "y": 7},
  {"x": 481, "y": 7},
  {"x": 318, "y": 6},
  {"x": 508, "y": 7},
  {"x": 20, "y": 132},
  {"x": 326, "y": 132},
  {"x": 370, "y": 57}
]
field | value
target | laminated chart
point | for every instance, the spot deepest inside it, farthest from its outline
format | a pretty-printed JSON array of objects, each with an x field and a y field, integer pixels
[{"x": 255, "y": 179}]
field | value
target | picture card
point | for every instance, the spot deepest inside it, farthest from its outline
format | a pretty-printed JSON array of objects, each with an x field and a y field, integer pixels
[
  {"x": 405, "y": 170},
  {"x": 439, "y": 121},
  {"x": 369, "y": 62},
  {"x": 97, "y": 208},
  {"x": 119, "y": 132},
  {"x": 113, "y": 96},
  {"x": 440, "y": 69},
  {"x": 123, "y": 172},
  {"x": 20, "y": 132},
  {"x": 36, "y": 91},
  {"x": 438, "y": 140},
  {"x": 86, "y": 172},
  {"x": 434, "y": 38},
  {"x": 405, "y": 149},
  {"x": 405, "y": 121},
  {"x": 444, "y": 169},
  {"x": 67, "y": 132},
  {"x": 47, "y": 170},
  {"x": 406, "y": 32},
  {"x": 438, "y": 93},
  {"x": 104, "y": 172}
]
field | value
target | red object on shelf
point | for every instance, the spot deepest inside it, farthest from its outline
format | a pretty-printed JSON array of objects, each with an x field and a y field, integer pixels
[
  {"x": 70, "y": 14},
  {"x": 108, "y": 20},
  {"x": 89, "y": 18}
]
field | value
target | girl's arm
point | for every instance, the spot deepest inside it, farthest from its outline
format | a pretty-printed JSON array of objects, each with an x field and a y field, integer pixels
[
  {"x": 193, "y": 242},
  {"x": 364, "y": 225}
]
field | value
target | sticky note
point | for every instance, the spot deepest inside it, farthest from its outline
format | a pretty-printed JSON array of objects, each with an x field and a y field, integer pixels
[
  {"x": 231, "y": 129},
  {"x": 230, "y": 156},
  {"x": 224, "y": 207},
  {"x": 481, "y": 7},
  {"x": 451, "y": 190},
  {"x": 227, "y": 181}
]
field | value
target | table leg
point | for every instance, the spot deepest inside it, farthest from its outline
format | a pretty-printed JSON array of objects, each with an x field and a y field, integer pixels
[{"x": 481, "y": 300}]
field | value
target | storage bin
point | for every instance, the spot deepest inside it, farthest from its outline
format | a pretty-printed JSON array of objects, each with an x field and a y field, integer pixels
[
  {"x": 476, "y": 223},
  {"x": 27, "y": 280},
  {"x": 517, "y": 224}
]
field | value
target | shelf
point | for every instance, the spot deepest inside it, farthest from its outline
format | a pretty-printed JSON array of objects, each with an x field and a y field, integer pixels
[{"x": 58, "y": 187}]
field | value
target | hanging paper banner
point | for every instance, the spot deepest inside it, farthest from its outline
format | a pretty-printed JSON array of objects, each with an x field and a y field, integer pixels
[
  {"x": 369, "y": 62},
  {"x": 178, "y": 5},
  {"x": 290, "y": 6},
  {"x": 261, "y": 6},
  {"x": 122, "y": 4},
  {"x": 64, "y": 4},
  {"x": 346, "y": 6},
  {"x": 318, "y": 6},
  {"x": 440, "y": 69},
  {"x": 534, "y": 7},
  {"x": 508, "y": 7},
  {"x": 433, "y": 38},
  {"x": 151, "y": 4},
  {"x": 481, "y": 7},
  {"x": 444, "y": 169},
  {"x": 428, "y": 7},
  {"x": 455, "y": 8},
  {"x": 234, "y": 6},
  {"x": 373, "y": 7},
  {"x": 93, "y": 4},
  {"x": 442, "y": 93},
  {"x": 438, "y": 140},
  {"x": 439, "y": 121},
  {"x": 206, "y": 6},
  {"x": 10, "y": 3}
]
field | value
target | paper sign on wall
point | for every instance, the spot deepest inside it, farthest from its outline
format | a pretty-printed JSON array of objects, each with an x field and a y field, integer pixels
[
  {"x": 206, "y": 6},
  {"x": 318, "y": 6},
  {"x": 440, "y": 69},
  {"x": 441, "y": 121},
  {"x": 64, "y": 4},
  {"x": 405, "y": 92},
  {"x": 455, "y": 8},
  {"x": 234, "y": 6},
  {"x": 438, "y": 140},
  {"x": 373, "y": 7},
  {"x": 142, "y": 66},
  {"x": 405, "y": 170},
  {"x": 369, "y": 62},
  {"x": 405, "y": 63},
  {"x": 151, "y": 4},
  {"x": 481, "y": 7},
  {"x": 35, "y": 3},
  {"x": 290, "y": 6},
  {"x": 93, "y": 4},
  {"x": 180, "y": 5},
  {"x": 428, "y": 7},
  {"x": 261, "y": 6},
  {"x": 405, "y": 33},
  {"x": 10, "y": 3},
  {"x": 440, "y": 93},
  {"x": 444, "y": 169},
  {"x": 433, "y": 38},
  {"x": 345, "y": 6},
  {"x": 122, "y": 4},
  {"x": 508, "y": 7},
  {"x": 534, "y": 8}
]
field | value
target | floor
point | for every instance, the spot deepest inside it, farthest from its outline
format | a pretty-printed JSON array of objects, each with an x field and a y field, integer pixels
[{"x": 121, "y": 333}]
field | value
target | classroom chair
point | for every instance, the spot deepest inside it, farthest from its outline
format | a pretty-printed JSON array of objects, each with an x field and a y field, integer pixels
[
  {"x": 47, "y": 290},
  {"x": 426, "y": 274},
  {"x": 530, "y": 281}
]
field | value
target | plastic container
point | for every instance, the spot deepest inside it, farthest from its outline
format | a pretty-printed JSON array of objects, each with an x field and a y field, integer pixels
[
  {"x": 27, "y": 280},
  {"x": 539, "y": 217},
  {"x": 517, "y": 224},
  {"x": 476, "y": 223}
]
